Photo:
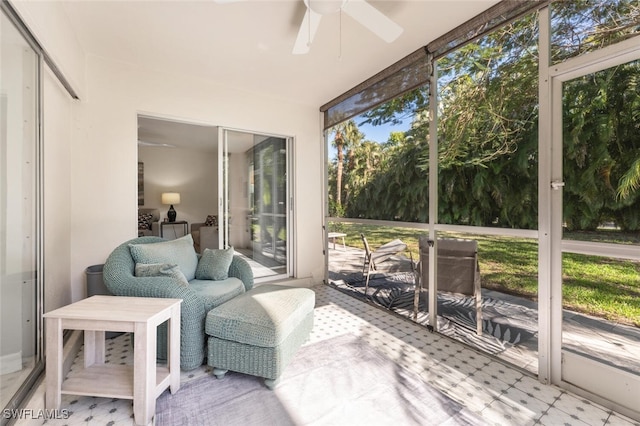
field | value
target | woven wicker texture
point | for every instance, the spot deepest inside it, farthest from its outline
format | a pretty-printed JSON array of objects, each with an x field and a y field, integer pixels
[
  {"x": 179, "y": 251},
  {"x": 119, "y": 278},
  {"x": 265, "y": 316},
  {"x": 214, "y": 264},
  {"x": 266, "y": 362},
  {"x": 216, "y": 295}
]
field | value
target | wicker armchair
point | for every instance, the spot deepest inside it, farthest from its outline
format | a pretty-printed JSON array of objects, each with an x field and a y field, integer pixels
[{"x": 197, "y": 298}]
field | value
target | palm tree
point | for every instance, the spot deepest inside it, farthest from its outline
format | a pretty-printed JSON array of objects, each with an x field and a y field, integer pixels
[
  {"x": 630, "y": 181},
  {"x": 362, "y": 162},
  {"x": 346, "y": 136}
]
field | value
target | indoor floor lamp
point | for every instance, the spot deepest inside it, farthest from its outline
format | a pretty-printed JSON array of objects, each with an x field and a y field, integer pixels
[{"x": 171, "y": 198}]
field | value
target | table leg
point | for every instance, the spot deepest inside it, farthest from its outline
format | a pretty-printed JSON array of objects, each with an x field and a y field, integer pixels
[
  {"x": 173, "y": 346},
  {"x": 144, "y": 373},
  {"x": 54, "y": 363},
  {"x": 94, "y": 347}
]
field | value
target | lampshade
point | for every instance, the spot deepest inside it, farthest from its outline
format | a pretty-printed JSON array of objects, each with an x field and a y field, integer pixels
[{"x": 170, "y": 198}]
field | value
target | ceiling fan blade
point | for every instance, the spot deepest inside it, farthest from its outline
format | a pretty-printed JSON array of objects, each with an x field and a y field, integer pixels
[
  {"x": 373, "y": 19},
  {"x": 155, "y": 144},
  {"x": 307, "y": 32}
]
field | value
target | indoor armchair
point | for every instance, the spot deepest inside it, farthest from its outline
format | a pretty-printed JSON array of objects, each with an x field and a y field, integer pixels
[
  {"x": 205, "y": 234},
  {"x": 148, "y": 222}
]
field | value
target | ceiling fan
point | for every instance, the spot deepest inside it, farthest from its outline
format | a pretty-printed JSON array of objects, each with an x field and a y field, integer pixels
[
  {"x": 360, "y": 10},
  {"x": 155, "y": 144}
]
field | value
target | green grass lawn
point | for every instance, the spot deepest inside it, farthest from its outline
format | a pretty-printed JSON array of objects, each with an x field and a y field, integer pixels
[{"x": 603, "y": 287}]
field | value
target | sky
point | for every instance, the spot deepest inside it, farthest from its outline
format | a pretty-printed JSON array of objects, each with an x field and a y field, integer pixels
[{"x": 378, "y": 134}]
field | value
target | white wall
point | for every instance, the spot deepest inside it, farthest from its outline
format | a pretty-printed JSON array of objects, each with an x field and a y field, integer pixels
[
  {"x": 106, "y": 154},
  {"x": 50, "y": 26},
  {"x": 57, "y": 132},
  {"x": 192, "y": 173}
]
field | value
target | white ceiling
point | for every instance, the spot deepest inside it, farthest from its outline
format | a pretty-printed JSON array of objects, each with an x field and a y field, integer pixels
[{"x": 247, "y": 44}]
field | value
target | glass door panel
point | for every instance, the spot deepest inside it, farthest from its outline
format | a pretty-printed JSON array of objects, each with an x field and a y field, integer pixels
[
  {"x": 19, "y": 352},
  {"x": 267, "y": 168},
  {"x": 255, "y": 204}
]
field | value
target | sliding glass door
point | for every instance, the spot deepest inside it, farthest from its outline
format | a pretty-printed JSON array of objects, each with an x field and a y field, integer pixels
[
  {"x": 19, "y": 204},
  {"x": 254, "y": 204}
]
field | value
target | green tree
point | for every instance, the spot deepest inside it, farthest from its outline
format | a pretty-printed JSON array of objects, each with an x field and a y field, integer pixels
[
  {"x": 630, "y": 181},
  {"x": 345, "y": 136},
  {"x": 363, "y": 161},
  {"x": 488, "y": 131},
  {"x": 580, "y": 26},
  {"x": 601, "y": 120},
  {"x": 398, "y": 190}
]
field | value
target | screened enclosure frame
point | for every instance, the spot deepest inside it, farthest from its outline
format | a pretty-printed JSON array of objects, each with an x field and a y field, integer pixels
[
  {"x": 415, "y": 69},
  {"x": 387, "y": 85}
]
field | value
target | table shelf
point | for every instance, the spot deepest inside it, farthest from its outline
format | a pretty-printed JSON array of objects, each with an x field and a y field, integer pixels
[
  {"x": 104, "y": 380},
  {"x": 109, "y": 381}
]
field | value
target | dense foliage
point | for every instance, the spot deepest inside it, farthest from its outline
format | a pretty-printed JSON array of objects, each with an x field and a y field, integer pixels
[{"x": 488, "y": 133}]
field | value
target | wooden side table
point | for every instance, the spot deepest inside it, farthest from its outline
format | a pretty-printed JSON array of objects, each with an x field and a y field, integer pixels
[{"x": 144, "y": 381}]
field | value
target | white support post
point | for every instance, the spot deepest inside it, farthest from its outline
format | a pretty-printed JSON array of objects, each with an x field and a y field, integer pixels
[
  {"x": 544, "y": 200},
  {"x": 433, "y": 193}
]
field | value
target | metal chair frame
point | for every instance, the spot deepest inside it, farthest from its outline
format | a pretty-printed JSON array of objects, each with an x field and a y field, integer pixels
[
  {"x": 458, "y": 271},
  {"x": 379, "y": 255}
]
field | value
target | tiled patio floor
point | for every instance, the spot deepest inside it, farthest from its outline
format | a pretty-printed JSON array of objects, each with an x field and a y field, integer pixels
[{"x": 500, "y": 394}]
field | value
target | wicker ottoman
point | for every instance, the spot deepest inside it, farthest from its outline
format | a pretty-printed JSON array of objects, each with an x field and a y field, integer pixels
[{"x": 259, "y": 332}]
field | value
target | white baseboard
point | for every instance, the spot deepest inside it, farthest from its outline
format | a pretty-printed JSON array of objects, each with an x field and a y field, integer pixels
[{"x": 10, "y": 363}]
